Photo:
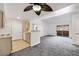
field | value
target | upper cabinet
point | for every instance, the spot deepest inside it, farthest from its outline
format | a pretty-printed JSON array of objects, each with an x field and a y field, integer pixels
[{"x": 62, "y": 28}]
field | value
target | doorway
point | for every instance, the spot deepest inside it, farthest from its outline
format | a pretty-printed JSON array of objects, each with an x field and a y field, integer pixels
[{"x": 19, "y": 37}]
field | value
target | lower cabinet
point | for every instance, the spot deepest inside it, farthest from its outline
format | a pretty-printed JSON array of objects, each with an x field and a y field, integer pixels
[
  {"x": 5, "y": 46},
  {"x": 63, "y": 33}
]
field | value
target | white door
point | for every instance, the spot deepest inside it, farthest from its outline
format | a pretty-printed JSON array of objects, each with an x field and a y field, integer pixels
[
  {"x": 16, "y": 30},
  {"x": 75, "y": 28}
]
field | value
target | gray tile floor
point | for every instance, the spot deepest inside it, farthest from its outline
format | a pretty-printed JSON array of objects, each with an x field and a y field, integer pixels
[{"x": 50, "y": 46}]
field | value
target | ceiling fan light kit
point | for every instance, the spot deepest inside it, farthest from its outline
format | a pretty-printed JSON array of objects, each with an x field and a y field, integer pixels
[{"x": 38, "y": 7}]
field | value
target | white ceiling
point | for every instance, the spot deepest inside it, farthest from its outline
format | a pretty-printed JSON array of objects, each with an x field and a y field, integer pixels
[
  {"x": 62, "y": 18},
  {"x": 14, "y": 10}
]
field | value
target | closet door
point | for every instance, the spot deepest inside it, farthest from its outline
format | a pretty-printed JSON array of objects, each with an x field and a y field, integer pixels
[
  {"x": 25, "y": 31},
  {"x": 25, "y": 26}
]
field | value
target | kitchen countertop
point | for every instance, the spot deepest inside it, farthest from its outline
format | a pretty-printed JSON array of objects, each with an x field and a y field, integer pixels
[{"x": 5, "y": 36}]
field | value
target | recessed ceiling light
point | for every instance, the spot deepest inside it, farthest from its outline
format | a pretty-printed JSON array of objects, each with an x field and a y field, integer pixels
[{"x": 18, "y": 17}]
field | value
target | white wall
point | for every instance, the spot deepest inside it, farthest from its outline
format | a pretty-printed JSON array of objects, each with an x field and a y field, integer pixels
[
  {"x": 35, "y": 38},
  {"x": 14, "y": 27},
  {"x": 45, "y": 28},
  {"x": 52, "y": 29},
  {"x": 60, "y": 20},
  {"x": 41, "y": 25},
  {"x": 72, "y": 19},
  {"x": 75, "y": 27},
  {"x": 3, "y": 30},
  {"x": 49, "y": 28}
]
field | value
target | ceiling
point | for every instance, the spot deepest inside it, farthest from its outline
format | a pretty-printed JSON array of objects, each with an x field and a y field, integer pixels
[
  {"x": 62, "y": 18},
  {"x": 14, "y": 10}
]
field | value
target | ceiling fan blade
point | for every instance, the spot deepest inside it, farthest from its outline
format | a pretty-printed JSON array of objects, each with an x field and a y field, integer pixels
[
  {"x": 46, "y": 7},
  {"x": 28, "y": 8},
  {"x": 38, "y": 12}
]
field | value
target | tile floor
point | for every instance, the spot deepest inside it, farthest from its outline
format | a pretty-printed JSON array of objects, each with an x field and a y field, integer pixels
[{"x": 51, "y": 46}]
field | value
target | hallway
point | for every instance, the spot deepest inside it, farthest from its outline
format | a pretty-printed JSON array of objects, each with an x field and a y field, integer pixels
[{"x": 51, "y": 46}]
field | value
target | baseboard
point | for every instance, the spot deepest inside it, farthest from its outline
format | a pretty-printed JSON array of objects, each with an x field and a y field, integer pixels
[
  {"x": 34, "y": 44},
  {"x": 50, "y": 35},
  {"x": 47, "y": 35},
  {"x": 16, "y": 39},
  {"x": 77, "y": 45}
]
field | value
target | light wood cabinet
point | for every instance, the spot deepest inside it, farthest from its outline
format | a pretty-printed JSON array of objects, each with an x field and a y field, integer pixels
[{"x": 5, "y": 45}]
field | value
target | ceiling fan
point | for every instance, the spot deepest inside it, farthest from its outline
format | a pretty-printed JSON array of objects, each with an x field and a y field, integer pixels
[{"x": 38, "y": 7}]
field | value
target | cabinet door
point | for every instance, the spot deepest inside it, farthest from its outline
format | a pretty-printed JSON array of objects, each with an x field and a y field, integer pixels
[
  {"x": 59, "y": 33},
  {"x": 66, "y": 33}
]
